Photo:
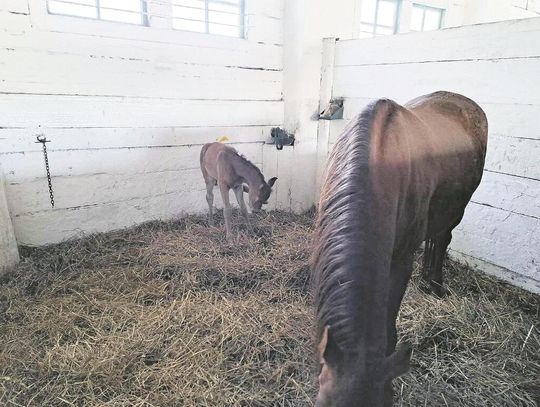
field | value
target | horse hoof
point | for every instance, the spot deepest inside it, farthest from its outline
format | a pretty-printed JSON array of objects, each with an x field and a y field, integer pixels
[
  {"x": 434, "y": 290},
  {"x": 441, "y": 292}
]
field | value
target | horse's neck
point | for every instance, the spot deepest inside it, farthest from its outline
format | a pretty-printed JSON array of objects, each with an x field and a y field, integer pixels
[
  {"x": 247, "y": 171},
  {"x": 360, "y": 280}
]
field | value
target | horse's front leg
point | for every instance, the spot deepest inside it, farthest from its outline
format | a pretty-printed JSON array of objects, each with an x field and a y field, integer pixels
[
  {"x": 400, "y": 274},
  {"x": 227, "y": 211},
  {"x": 239, "y": 192}
]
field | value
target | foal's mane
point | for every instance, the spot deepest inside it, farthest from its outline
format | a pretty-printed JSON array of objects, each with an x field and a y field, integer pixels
[
  {"x": 340, "y": 231},
  {"x": 244, "y": 158}
]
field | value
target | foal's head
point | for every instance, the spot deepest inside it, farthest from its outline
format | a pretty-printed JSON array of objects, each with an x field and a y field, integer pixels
[
  {"x": 350, "y": 379},
  {"x": 259, "y": 196}
]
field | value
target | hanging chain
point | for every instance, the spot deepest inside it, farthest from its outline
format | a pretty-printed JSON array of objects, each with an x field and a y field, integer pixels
[{"x": 42, "y": 139}]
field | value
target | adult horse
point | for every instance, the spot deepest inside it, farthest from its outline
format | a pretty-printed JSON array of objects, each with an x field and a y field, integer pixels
[{"x": 397, "y": 176}]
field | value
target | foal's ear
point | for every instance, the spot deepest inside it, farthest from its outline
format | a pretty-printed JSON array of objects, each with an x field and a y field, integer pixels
[
  {"x": 399, "y": 362},
  {"x": 272, "y": 181},
  {"x": 246, "y": 188}
]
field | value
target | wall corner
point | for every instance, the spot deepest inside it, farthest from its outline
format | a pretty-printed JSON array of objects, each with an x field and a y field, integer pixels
[{"x": 9, "y": 253}]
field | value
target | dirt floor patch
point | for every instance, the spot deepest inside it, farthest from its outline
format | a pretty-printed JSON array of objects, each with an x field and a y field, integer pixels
[{"x": 170, "y": 314}]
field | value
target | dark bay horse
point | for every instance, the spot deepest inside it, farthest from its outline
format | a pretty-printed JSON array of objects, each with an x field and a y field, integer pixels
[
  {"x": 398, "y": 175},
  {"x": 223, "y": 166}
]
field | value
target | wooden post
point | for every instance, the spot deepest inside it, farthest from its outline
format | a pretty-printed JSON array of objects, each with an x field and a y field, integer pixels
[
  {"x": 327, "y": 82},
  {"x": 9, "y": 254}
]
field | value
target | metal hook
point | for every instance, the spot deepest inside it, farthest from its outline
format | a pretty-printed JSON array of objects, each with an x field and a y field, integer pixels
[{"x": 41, "y": 139}]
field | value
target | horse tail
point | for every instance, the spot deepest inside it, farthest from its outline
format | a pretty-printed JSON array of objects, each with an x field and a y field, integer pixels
[
  {"x": 203, "y": 152},
  {"x": 429, "y": 254}
]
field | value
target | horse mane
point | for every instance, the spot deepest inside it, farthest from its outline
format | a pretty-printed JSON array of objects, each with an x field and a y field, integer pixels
[
  {"x": 245, "y": 159},
  {"x": 340, "y": 230}
]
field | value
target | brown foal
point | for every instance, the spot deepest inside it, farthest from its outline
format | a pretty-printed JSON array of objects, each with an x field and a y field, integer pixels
[{"x": 223, "y": 166}]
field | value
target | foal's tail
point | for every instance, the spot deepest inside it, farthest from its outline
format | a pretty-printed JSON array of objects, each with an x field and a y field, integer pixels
[
  {"x": 434, "y": 254},
  {"x": 203, "y": 152}
]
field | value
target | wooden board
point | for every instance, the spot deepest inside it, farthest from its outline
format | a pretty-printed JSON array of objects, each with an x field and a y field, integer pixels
[
  {"x": 507, "y": 239},
  {"x": 23, "y": 140},
  {"x": 94, "y": 111},
  {"x": 475, "y": 79},
  {"x": 25, "y": 167},
  {"x": 508, "y": 39}
]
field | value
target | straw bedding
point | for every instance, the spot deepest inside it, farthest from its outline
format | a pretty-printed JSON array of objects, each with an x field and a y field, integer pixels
[{"x": 170, "y": 314}]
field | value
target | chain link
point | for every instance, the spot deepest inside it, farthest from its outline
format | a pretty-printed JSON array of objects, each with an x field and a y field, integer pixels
[{"x": 42, "y": 139}]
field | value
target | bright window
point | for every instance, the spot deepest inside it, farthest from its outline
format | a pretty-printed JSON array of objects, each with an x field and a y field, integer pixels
[
  {"x": 222, "y": 17},
  {"x": 426, "y": 18},
  {"x": 380, "y": 17},
  {"x": 124, "y": 11}
]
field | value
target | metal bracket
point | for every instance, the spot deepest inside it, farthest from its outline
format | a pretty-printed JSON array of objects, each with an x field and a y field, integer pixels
[
  {"x": 334, "y": 110},
  {"x": 281, "y": 138}
]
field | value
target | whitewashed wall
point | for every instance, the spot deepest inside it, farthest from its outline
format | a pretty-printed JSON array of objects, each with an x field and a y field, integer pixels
[
  {"x": 127, "y": 109},
  {"x": 498, "y": 66},
  {"x": 478, "y": 11}
]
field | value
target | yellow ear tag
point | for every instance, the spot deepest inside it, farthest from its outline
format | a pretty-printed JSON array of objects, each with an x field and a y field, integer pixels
[{"x": 223, "y": 139}]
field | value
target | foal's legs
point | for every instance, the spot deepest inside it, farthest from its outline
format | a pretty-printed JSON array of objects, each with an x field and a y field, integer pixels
[
  {"x": 239, "y": 192},
  {"x": 227, "y": 211},
  {"x": 210, "y": 201}
]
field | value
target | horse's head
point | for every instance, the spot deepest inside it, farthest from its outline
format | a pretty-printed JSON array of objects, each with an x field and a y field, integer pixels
[
  {"x": 348, "y": 379},
  {"x": 259, "y": 196}
]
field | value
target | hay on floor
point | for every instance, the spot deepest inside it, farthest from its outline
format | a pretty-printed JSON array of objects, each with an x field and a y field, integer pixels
[{"x": 170, "y": 314}]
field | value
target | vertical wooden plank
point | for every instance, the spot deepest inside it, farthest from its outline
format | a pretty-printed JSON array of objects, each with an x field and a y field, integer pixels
[
  {"x": 270, "y": 169},
  {"x": 9, "y": 254},
  {"x": 159, "y": 14},
  {"x": 323, "y": 131},
  {"x": 287, "y": 167}
]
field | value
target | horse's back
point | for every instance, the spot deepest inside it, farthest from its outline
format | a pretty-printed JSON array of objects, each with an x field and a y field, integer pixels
[
  {"x": 213, "y": 153},
  {"x": 218, "y": 162},
  {"x": 428, "y": 157},
  {"x": 457, "y": 107},
  {"x": 457, "y": 128},
  {"x": 443, "y": 136}
]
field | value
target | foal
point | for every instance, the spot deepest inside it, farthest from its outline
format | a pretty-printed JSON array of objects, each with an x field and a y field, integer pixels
[
  {"x": 223, "y": 166},
  {"x": 398, "y": 175}
]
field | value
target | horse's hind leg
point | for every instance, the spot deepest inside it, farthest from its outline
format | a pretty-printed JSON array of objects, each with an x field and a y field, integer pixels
[
  {"x": 239, "y": 192},
  {"x": 210, "y": 200},
  {"x": 434, "y": 254}
]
